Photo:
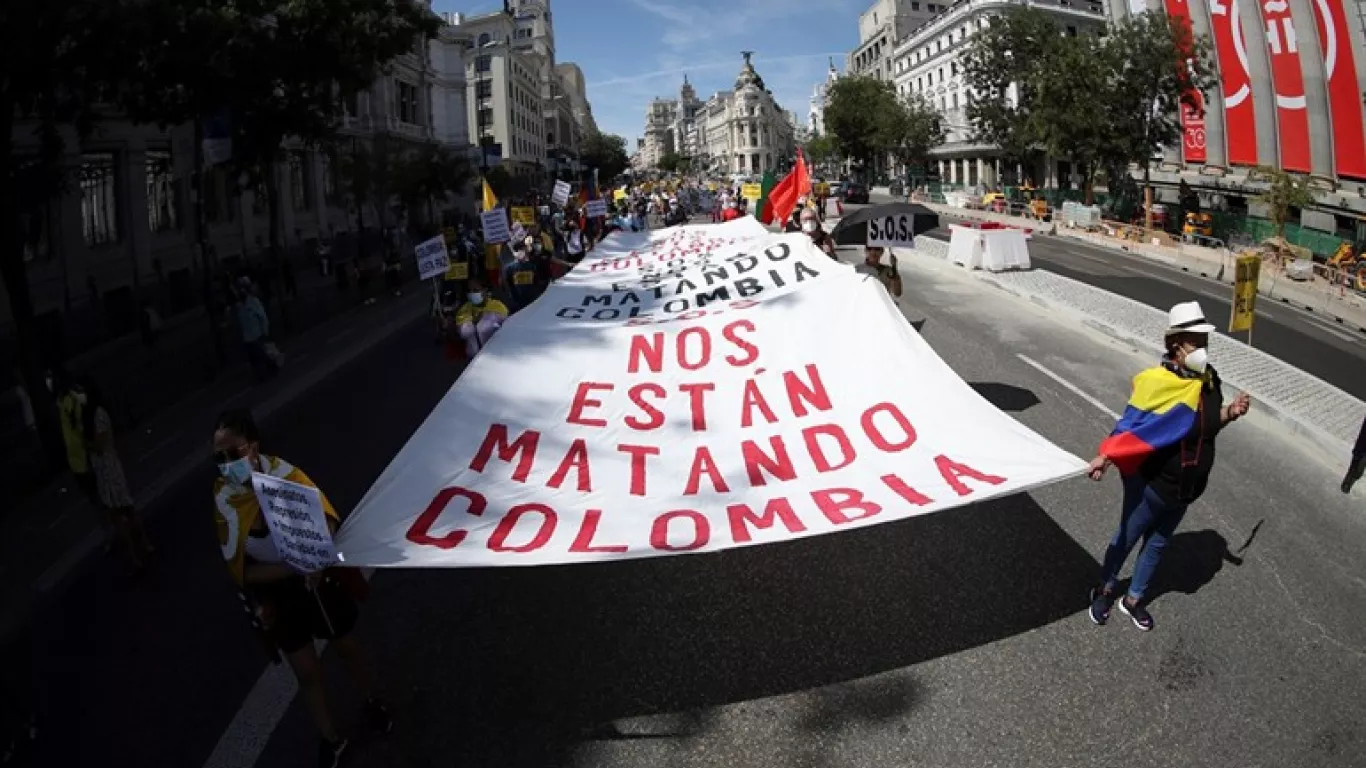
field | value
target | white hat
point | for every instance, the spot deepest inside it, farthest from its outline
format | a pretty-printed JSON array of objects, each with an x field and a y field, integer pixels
[{"x": 1187, "y": 317}]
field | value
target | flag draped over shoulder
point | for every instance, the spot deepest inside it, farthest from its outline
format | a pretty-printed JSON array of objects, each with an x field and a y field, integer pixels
[{"x": 1161, "y": 411}]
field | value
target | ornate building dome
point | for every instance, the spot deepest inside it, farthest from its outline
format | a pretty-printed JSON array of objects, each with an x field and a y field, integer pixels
[{"x": 748, "y": 78}]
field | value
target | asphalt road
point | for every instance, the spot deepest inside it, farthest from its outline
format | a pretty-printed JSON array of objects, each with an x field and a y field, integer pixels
[
  {"x": 957, "y": 639},
  {"x": 1312, "y": 343}
]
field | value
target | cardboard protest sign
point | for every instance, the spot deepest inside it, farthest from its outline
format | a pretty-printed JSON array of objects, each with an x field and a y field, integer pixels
[
  {"x": 518, "y": 233},
  {"x": 524, "y": 215},
  {"x": 895, "y": 231},
  {"x": 495, "y": 223},
  {"x": 560, "y": 195},
  {"x": 595, "y": 208},
  {"x": 298, "y": 525},
  {"x": 432, "y": 258},
  {"x": 689, "y": 390}
]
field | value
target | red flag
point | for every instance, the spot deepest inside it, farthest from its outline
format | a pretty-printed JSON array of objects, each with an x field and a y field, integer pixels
[{"x": 795, "y": 185}]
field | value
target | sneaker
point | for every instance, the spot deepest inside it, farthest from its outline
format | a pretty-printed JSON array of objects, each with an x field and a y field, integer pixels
[
  {"x": 330, "y": 752},
  {"x": 1101, "y": 601},
  {"x": 1142, "y": 619},
  {"x": 377, "y": 714}
]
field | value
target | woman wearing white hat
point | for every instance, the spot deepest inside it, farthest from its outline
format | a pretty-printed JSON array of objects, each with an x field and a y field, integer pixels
[{"x": 1164, "y": 448}]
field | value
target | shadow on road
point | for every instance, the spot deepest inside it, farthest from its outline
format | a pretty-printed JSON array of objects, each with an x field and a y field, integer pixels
[
  {"x": 1006, "y": 397},
  {"x": 1191, "y": 561},
  {"x": 517, "y": 667}
]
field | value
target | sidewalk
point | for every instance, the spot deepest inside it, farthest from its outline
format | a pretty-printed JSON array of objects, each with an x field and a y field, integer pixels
[
  {"x": 1306, "y": 404},
  {"x": 1344, "y": 305},
  {"x": 51, "y": 534},
  {"x": 1318, "y": 295}
]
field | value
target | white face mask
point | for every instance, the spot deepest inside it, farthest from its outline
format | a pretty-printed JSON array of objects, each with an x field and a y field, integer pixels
[
  {"x": 1197, "y": 360},
  {"x": 475, "y": 297},
  {"x": 809, "y": 226},
  {"x": 237, "y": 472}
]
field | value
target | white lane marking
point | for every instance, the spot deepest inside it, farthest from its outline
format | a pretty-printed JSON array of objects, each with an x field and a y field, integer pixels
[
  {"x": 1073, "y": 388},
  {"x": 261, "y": 711},
  {"x": 1328, "y": 329}
]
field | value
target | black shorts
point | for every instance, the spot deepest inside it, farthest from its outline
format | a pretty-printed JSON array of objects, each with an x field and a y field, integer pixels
[{"x": 297, "y": 616}]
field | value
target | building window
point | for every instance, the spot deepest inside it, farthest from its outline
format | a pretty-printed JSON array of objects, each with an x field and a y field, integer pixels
[
  {"x": 955, "y": 101},
  {"x": 99, "y": 198},
  {"x": 483, "y": 89},
  {"x": 35, "y": 231},
  {"x": 298, "y": 182},
  {"x": 484, "y": 40},
  {"x": 406, "y": 107},
  {"x": 483, "y": 63},
  {"x": 162, "y": 210},
  {"x": 330, "y": 180}
]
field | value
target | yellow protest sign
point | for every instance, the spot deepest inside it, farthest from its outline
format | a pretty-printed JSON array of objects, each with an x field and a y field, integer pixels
[
  {"x": 752, "y": 191},
  {"x": 620, "y": 194},
  {"x": 458, "y": 270},
  {"x": 1247, "y": 271},
  {"x": 524, "y": 215}
]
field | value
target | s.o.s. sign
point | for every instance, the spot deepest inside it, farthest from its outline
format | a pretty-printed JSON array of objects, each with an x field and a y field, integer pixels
[{"x": 892, "y": 231}]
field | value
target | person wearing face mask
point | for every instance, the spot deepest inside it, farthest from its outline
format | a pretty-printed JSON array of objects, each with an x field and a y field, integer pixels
[
  {"x": 730, "y": 212},
  {"x": 811, "y": 226},
  {"x": 479, "y": 318},
  {"x": 1164, "y": 447},
  {"x": 676, "y": 215},
  {"x": 574, "y": 242},
  {"x": 291, "y": 608},
  {"x": 520, "y": 276}
]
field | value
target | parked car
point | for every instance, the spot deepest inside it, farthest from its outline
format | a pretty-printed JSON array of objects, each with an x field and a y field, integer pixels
[{"x": 855, "y": 193}]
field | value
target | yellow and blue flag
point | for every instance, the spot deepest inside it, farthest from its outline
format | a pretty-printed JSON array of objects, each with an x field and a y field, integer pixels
[{"x": 1160, "y": 413}]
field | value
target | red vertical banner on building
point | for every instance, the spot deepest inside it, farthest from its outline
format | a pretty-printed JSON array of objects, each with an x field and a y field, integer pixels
[
  {"x": 1344, "y": 105},
  {"x": 1240, "y": 120},
  {"x": 1192, "y": 114},
  {"x": 1287, "y": 81}
]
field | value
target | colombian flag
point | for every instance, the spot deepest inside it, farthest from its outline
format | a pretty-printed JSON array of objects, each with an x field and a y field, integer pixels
[{"x": 1161, "y": 412}]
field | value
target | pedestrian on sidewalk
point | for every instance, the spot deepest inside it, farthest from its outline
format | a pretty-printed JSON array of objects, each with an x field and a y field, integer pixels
[
  {"x": 70, "y": 411},
  {"x": 97, "y": 429},
  {"x": 1357, "y": 466},
  {"x": 1164, "y": 446},
  {"x": 294, "y": 609},
  {"x": 254, "y": 325}
]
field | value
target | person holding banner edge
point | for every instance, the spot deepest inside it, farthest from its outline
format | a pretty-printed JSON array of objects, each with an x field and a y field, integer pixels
[
  {"x": 293, "y": 608},
  {"x": 1164, "y": 446}
]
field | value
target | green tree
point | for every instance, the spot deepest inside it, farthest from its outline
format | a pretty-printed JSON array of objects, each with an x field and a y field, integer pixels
[
  {"x": 855, "y": 116},
  {"x": 1285, "y": 193},
  {"x": 1000, "y": 65},
  {"x": 59, "y": 61},
  {"x": 822, "y": 151},
  {"x": 368, "y": 171},
  {"x": 1157, "y": 67},
  {"x": 670, "y": 162},
  {"x": 606, "y": 152},
  {"x": 282, "y": 71},
  {"x": 909, "y": 129},
  {"x": 1068, "y": 117},
  {"x": 429, "y": 173}
]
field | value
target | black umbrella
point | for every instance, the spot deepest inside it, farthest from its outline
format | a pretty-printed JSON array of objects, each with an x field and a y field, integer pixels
[{"x": 853, "y": 229}]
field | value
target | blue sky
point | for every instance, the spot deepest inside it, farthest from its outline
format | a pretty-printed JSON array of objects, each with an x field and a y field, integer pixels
[{"x": 634, "y": 50}]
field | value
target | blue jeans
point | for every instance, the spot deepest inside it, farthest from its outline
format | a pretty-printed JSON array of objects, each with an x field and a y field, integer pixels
[{"x": 1148, "y": 516}]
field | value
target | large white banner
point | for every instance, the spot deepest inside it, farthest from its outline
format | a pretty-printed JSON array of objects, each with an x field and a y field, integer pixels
[{"x": 691, "y": 390}]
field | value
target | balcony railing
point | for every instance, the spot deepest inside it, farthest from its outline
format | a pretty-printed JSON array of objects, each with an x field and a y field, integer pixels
[{"x": 408, "y": 130}]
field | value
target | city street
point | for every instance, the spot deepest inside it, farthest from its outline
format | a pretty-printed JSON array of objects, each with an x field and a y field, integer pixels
[
  {"x": 1312, "y": 343},
  {"x": 958, "y": 639}
]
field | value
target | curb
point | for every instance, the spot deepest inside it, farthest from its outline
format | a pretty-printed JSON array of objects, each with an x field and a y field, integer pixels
[
  {"x": 57, "y": 574},
  {"x": 1351, "y": 325},
  {"x": 1331, "y": 447}
]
